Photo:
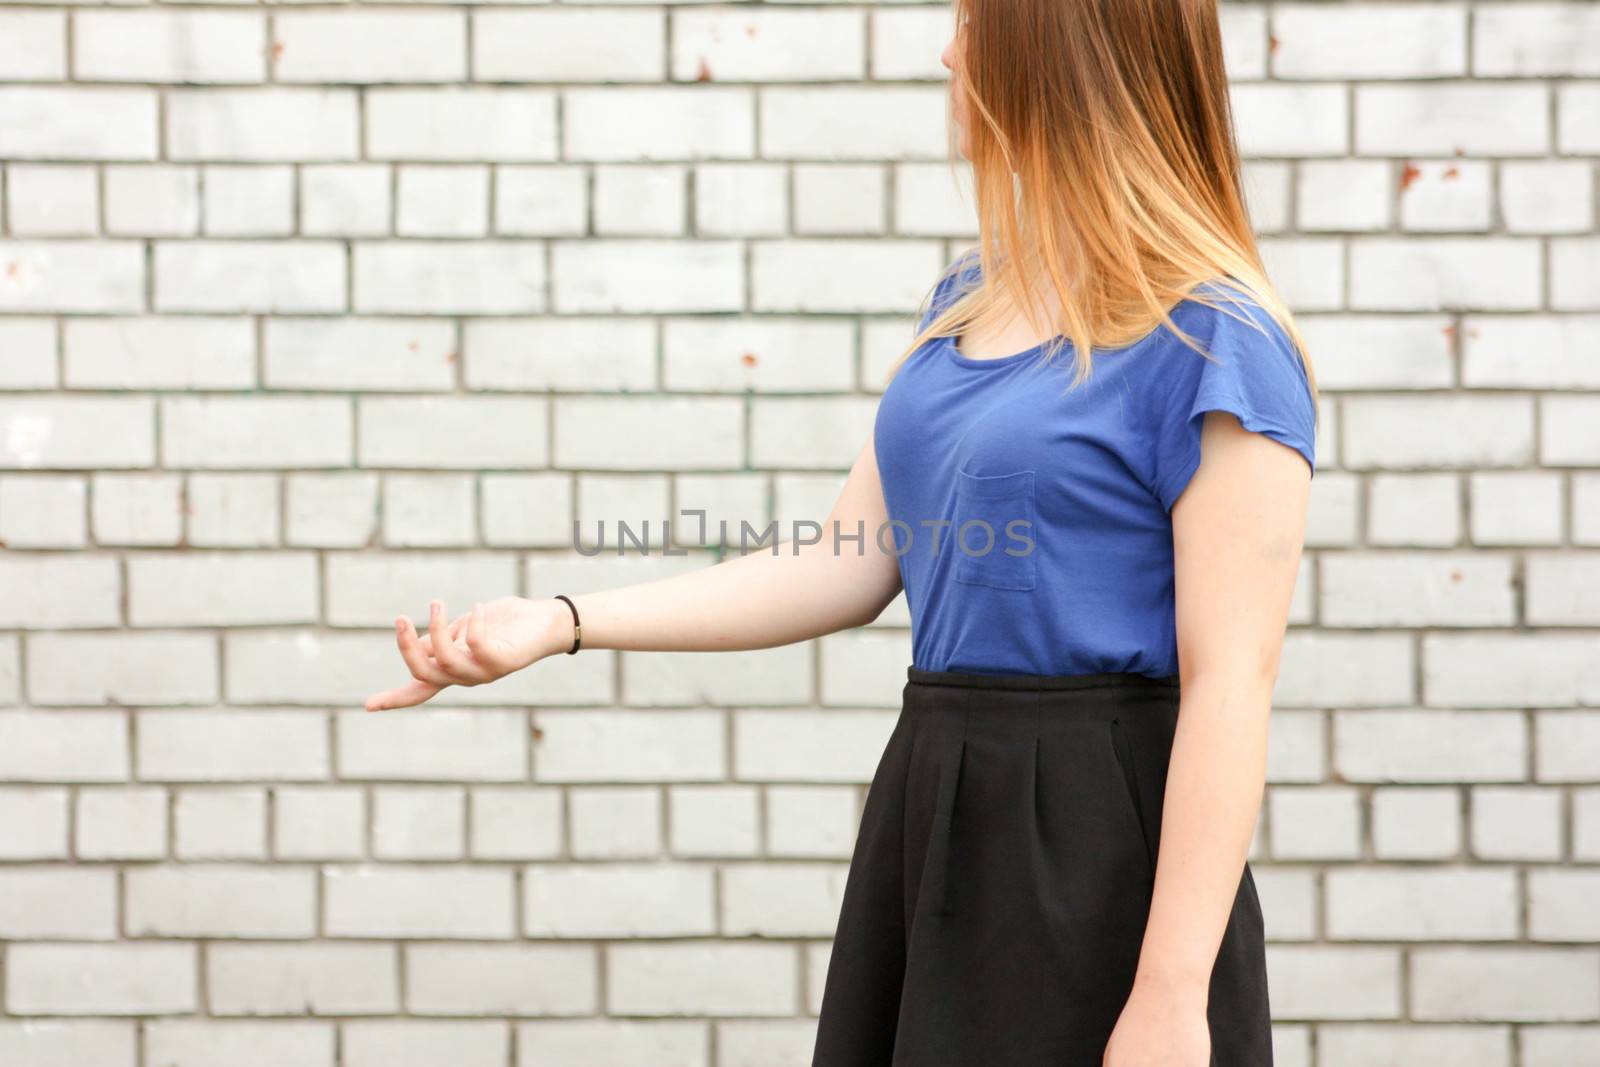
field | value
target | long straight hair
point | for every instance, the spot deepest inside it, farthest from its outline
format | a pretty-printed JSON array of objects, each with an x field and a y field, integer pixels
[{"x": 1104, "y": 164}]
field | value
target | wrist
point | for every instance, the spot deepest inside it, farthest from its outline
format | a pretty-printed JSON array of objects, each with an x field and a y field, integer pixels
[
  {"x": 1184, "y": 986},
  {"x": 560, "y": 628}
]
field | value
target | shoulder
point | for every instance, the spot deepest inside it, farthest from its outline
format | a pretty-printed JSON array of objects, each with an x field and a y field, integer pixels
[
  {"x": 1244, "y": 345},
  {"x": 954, "y": 279}
]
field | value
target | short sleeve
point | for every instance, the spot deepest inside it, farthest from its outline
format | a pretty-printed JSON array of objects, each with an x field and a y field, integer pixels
[
  {"x": 1254, "y": 373},
  {"x": 947, "y": 290}
]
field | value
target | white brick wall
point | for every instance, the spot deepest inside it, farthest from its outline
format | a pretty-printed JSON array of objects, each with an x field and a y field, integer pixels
[{"x": 310, "y": 314}]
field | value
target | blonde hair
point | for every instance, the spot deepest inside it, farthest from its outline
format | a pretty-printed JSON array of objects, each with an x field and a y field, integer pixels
[{"x": 1103, "y": 153}]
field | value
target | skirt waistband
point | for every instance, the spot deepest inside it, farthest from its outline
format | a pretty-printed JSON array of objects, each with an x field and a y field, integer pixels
[{"x": 1034, "y": 682}]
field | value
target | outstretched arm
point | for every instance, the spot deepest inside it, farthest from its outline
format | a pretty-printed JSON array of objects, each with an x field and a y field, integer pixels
[{"x": 753, "y": 601}]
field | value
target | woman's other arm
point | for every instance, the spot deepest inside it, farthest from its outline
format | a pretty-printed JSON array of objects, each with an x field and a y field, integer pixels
[
  {"x": 1238, "y": 531},
  {"x": 758, "y": 600}
]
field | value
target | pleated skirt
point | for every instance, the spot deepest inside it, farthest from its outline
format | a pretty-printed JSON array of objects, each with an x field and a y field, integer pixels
[{"x": 1002, "y": 876}]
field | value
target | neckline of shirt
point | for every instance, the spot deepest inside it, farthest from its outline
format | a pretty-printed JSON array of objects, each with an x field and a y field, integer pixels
[{"x": 955, "y": 356}]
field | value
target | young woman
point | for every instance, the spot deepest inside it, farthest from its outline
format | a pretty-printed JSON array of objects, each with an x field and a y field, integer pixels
[{"x": 1107, "y": 413}]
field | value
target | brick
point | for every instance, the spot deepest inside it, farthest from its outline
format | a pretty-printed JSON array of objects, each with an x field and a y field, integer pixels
[
  {"x": 841, "y": 122},
  {"x": 617, "y": 900},
  {"x": 84, "y": 979},
  {"x": 1512, "y": 822},
  {"x": 648, "y": 433},
  {"x": 169, "y": 46},
  {"x": 613, "y": 1042},
  {"x": 264, "y": 125},
  {"x": 1534, "y": 40},
  {"x": 1406, "y": 904},
  {"x": 33, "y": 46},
  {"x": 121, "y": 823},
  {"x": 619, "y": 355},
  {"x": 465, "y": 432},
  {"x": 1529, "y": 351},
  {"x": 614, "y": 822},
  {"x": 647, "y": 275},
  {"x": 192, "y": 1042},
  {"x": 398, "y": 901},
  {"x": 254, "y": 276},
  {"x": 417, "y": 1043},
  {"x": 658, "y": 123},
  {"x": 1332, "y": 982},
  {"x": 369, "y": 46},
  {"x": 701, "y": 978},
  {"x": 461, "y": 123},
  {"x": 1427, "y": 745},
  {"x": 579, "y": 45},
  {"x": 649, "y": 746},
  {"x": 359, "y": 354},
  {"x": 544, "y": 980},
  {"x": 1306, "y": 121},
  {"x": 221, "y": 900},
  {"x": 1442, "y": 119},
  {"x": 1363, "y": 43},
  {"x": 1395, "y": 589},
  {"x": 442, "y": 745},
  {"x": 314, "y": 978},
  {"x": 515, "y": 823},
  {"x": 38, "y": 824},
  {"x": 50, "y": 200},
  {"x": 73, "y": 122},
  {"x": 906, "y": 43},
  {"x": 841, "y": 275},
  {"x": 448, "y": 277},
  {"x": 58, "y": 1043},
  {"x": 65, "y": 902},
  {"x": 30, "y": 345},
  {"x": 1444, "y": 431},
  {"x": 1444, "y": 273},
  {"x": 250, "y": 200},
  {"x": 1510, "y": 670},
  {"x": 233, "y": 745},
  {"x": 154, "y": 352},
  {"x": 71, "y": 276},
  {"x": 1504, "y": 983},
  {"x": 782, "y": 899},
  {"x": 759, "y": 45},
  {"x": 152, "y": 200}
]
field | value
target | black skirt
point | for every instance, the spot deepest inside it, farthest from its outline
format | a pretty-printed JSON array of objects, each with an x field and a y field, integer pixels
[{"x": 1002, "y": 876}]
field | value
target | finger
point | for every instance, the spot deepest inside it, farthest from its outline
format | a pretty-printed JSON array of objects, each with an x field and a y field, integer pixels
[
  {"x": 478, "y": 642},
  {"x": 450, "y": 657},
  {"x": 455, "y": 632},
  {"x": 405, "y": 696},
  {"x": 422, "y": 666}
]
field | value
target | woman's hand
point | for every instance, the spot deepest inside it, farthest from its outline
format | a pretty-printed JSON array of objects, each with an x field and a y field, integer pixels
[
  {"x": 1161, "y": 1026},
  {"x": 486, "y": 643}
]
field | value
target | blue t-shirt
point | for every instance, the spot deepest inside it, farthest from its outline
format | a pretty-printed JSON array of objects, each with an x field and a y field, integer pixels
[{"x": 1061, "y": 500}]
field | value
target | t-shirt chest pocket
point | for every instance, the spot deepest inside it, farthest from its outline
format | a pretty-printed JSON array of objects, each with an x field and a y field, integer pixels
[{"x": 994, "y": 529}]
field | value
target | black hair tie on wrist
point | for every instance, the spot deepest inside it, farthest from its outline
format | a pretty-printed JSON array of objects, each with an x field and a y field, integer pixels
[{"x": 577, "y": 631}]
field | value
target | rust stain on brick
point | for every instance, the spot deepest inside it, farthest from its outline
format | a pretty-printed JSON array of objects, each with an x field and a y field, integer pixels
[
  {"x": 277, "y": 50},
  {"x": 1408, "y": 174},
  {"x": 1451, "y": 174},
  {"x": 1272, "y": 42},
  {"x": 749, "y": 359},
  {"x": 704, "y": 73}
]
